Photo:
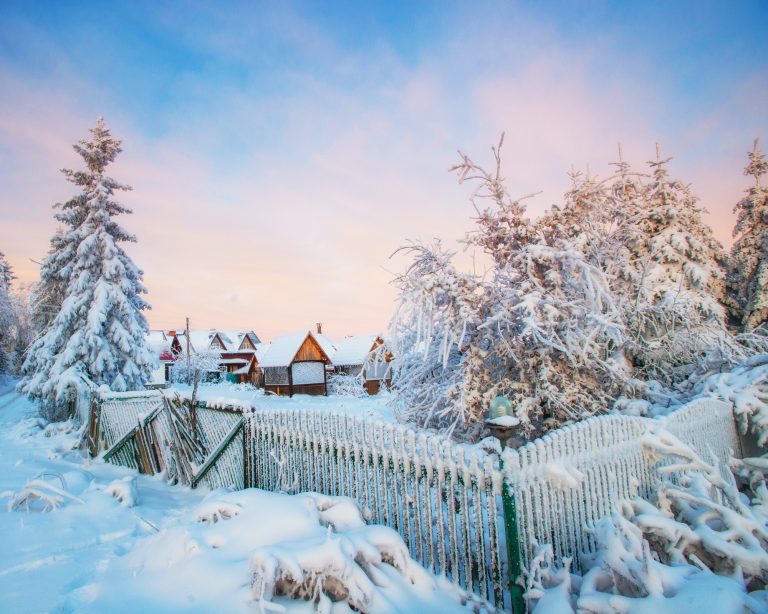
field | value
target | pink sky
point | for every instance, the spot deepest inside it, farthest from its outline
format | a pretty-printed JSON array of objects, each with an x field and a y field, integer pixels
[{"x": 300, "y": 226}]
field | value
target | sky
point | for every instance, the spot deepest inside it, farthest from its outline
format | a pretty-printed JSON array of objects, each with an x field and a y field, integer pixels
[{"x": 279, "y": 153}]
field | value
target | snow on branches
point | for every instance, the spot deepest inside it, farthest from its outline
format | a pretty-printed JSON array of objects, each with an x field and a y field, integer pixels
[
  {"x": 615, "y": 293},
  {"x": 703, "y": 540}
]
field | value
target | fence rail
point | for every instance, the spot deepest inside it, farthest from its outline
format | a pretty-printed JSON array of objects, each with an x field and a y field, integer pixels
[{"x": 455, "y": 506}]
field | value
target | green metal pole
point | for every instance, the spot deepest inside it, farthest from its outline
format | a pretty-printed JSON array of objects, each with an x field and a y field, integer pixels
[{"x": 514, "y": 567}]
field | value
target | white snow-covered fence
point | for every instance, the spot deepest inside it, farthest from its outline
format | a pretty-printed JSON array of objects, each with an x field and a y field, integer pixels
[
  {"x": 456, "y": 509},
  {"x": 149, "y": 432},
  {"x": 448, "y": 505},
  {"x": 445, "y": 503},
  {"x": 565, "y": 481},
  {"x": 708, "y": 426}
]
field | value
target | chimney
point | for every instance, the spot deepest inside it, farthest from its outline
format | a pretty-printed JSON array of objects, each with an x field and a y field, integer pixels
[{"x": 319, "y": 328}]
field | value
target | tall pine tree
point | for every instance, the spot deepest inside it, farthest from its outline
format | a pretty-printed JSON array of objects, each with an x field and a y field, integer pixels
[
  {"x": 748, "y": 270},
  {"x": 6, "y": 312},
  {"x": 98, "y": 335}
]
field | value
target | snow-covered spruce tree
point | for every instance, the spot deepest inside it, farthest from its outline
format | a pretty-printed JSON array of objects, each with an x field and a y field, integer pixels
[
  {"x": 672, "y": 288},
  {"x": 50, "y": 291},
  {"x": 7, "y": 316},
  {"x": 99, "y": 334},
  {"x": 748, "y": 265}
]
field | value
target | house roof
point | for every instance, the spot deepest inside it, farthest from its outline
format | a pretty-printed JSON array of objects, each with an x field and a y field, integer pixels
[
  {"x": 159, "y": 344},
  {"x": 283, "y": 350},
  {"x": 354, "y": 350},
  {"x": 199, "y": 340},
  {"x": 253, "y": 337},
  {"x": 231, "y": 338},
  {"x": 328, "y": 346},
  {"x": 261, "y": 350}
]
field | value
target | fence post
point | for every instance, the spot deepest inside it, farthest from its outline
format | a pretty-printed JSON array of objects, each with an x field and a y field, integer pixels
[{"x": 512, "y": 540}]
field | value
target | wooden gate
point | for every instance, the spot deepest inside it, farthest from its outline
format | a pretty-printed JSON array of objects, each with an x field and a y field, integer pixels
[{"x": 152, "y": 433}]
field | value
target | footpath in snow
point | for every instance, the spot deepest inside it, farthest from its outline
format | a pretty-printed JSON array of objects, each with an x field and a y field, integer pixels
[{"x": 118, "y": 541}]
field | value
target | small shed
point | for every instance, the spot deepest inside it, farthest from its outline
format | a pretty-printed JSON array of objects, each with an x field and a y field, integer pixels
[
  {"x": 355, "y": 356},
  {"x": 295, "y": 364},
  {"x": 242, "y": 367}
]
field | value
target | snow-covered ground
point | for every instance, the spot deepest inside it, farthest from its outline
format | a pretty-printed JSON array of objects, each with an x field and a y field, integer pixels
[
  {"x": 167, "y": 548},
  {"x": 374, "y": 406}
]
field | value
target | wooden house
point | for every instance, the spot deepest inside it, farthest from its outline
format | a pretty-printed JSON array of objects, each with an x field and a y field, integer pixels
[
  {"x": 296, "y": 364},
  {"x": 355, "y": 356}
]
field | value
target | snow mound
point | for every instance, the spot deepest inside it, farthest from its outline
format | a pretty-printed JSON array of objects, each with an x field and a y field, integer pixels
[
  {"x": 253, "y": 550},
  {"x": 124, "y": 490}
]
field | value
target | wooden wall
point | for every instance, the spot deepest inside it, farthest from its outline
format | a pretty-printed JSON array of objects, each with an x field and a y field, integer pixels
[{"x": 311, "y": 350}]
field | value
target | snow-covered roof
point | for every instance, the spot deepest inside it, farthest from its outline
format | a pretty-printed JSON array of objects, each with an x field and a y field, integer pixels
[
  {"x": 282, "y": 350},
  {"x": 328, "y": 346},
  {"x": 243, "y": 370},
  {"x": 231, "y": 338},
  {"x": 158, "y": 344},
  {"x": 200, "y": 340},
  {"x": 354, "y": 350},
  {"x": 261, "y": 350},
  {"x": 254, "y": 337}
]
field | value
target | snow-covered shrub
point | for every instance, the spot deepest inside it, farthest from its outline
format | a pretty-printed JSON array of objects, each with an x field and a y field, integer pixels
[
  {"x": 343, "y": 566},
  {"x": 746, "y": 387},
  {"x": 203, "y": 365},
  {"x": 346, "y": 385},
  {"x": 548, "y": 587},
  {"x": 40, "y": 495},
  {"x": 702, "y": 540},
  {"x": 541, "y": 328}
]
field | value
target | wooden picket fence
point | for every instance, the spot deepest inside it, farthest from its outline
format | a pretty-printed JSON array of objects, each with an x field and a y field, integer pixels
[
  {"x": 445, "y": 504},
  {"x": 469, "y": 515}
]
